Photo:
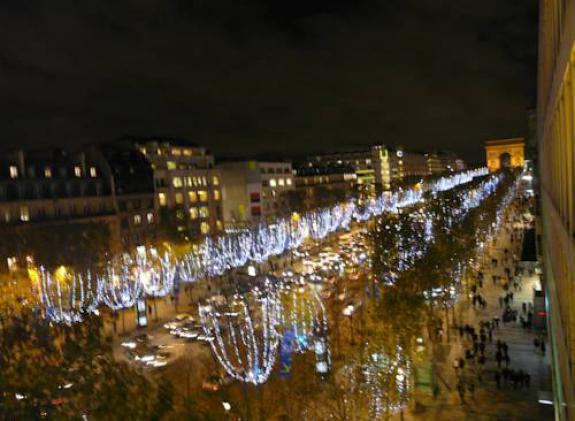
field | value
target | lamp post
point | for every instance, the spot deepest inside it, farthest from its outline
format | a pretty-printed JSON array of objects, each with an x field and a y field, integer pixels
[{"x": 348, "y": 312}]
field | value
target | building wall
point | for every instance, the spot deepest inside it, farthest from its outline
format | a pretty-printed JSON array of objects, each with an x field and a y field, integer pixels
[
  {"x": 255, "y": 191},
  {"x": 53, "y": 186},
  {"x": 185, "y": 179},
  {"x": 556, "y": 124}
]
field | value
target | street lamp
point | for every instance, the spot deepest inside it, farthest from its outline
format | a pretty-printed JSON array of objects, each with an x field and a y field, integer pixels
[
  {"x": 348, "y": 312},
  {"x": 227, "y": 408}
]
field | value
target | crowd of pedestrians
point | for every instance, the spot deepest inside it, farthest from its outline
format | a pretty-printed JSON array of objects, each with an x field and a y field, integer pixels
[{"x": 479, "y": 347}]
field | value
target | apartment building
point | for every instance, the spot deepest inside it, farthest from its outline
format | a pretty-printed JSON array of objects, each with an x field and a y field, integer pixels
[
  {"x": 254, "y": 191},
  {"x": 380, "y": 166},
  {"x": 186, "y": 182},
  {"x": 556, "y": 144},
  {"x": 106, "y": 184},
  {"x": 313, "y": 182}
]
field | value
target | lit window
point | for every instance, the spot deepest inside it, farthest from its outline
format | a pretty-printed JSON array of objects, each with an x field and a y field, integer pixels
[
  {"x": 143, "y": 150},
  {"x": 193, "y": 213},
  {"x": 192, "y": 196},
  {"x": 217, "y": 195},
  {"x": 188, "y": 182},
  {"x": 77, "y": 171},
  {"x": 93, "y": 172},
  {"x": 205, "y": 227},
  {"x": 204, "y": 212},
  {"x": 150, "y": 217},
  {"x": 179, "y": 197},
  {"x": 171, "y": 165},
  {"x": 216, "y": 180},
  {"x": 162, "y": 199},
  {"x": 281, "y": 182},
  {"x": 48, "y": 172},
  {"x": 137, "y": 219},
  {"x": 24, "y": 214},
  {"x": 288, "y": 181},
  {"x": 188, "y": 152},
  {"x": 204, "y": 181},
  {"x": 177, "y": 182},
  {"x": 6, "y": 216},
  {"x": 273, "y": 182},
  {"x": 203, "y": 195},
  {"x": 13, "y": 171},
  {"x": 219, "y": 225},
  {"x": 176, "y": 152},
  {"x": 196, "y": 181}
]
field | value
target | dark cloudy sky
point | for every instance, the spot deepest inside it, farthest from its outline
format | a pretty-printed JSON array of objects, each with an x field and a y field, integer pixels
[{"x": 267, "y": 76}]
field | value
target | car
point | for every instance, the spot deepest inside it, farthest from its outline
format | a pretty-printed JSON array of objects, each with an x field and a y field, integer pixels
[
  {"x": 214, "y": 383},
  {"x": 205, "y": 338},
  {"x": 142, "y": 338},
  {"x": 184, "y": 317}
]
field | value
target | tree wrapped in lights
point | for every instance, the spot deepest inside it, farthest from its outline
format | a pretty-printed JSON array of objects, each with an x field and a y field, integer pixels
[
  {"x": 155, "y": 273},
  {"x": 120, "y": 290},
  {"x": 303, "y": 313},
  {"x": 66, "y": 297},
  {"x": 386, "y": 382},
  {"x": 247, "y": 353}
]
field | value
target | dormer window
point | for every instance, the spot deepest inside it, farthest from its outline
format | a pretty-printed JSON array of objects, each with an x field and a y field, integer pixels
[
  {"x": 77, "y": 171},
  {"x": 48, "y": 172},
  {"x": 13, "y": 171},
  {"x": 93, "y": 172}
]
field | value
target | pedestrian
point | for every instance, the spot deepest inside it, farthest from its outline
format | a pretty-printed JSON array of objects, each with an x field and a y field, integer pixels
[
  {"x": 461, "y": 391},
  {"x": 543, "y": 347},
  {"x": 524, "y": 307},
  {"x": 536, "y": 343},
  {"x": 481, "y": 360},
  {"x": 472, "y": 389},
  {"x": 505, "y": 374},
  {"x": 498, "y": 358},
  {"x": 515, "y": 379}
]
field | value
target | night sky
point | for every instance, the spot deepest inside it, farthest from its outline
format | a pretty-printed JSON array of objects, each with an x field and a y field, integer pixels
[{"x": 268, "y": 76}]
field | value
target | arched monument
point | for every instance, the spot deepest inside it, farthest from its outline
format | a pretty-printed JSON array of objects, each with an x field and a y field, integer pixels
[{"x": 505, "y": 153}]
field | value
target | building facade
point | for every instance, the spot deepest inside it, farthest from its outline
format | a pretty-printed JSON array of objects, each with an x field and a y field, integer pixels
[
  {"x": 556, "y": 150},
  {"x": 132, "y": 186},
  {"x": 254, "y": 192},
  {"x": 317, "y": 184},
  {"x": 379, "y": 166},
  {"x": 187, "y": 183},
  {"x": 102, "y": 184}
]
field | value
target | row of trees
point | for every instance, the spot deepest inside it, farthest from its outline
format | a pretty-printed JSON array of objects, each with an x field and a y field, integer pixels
[{"x": 80, "y": 245}]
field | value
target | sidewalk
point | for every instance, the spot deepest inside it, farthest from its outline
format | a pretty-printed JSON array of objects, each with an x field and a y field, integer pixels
[{"x": 488, "y": 402}]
